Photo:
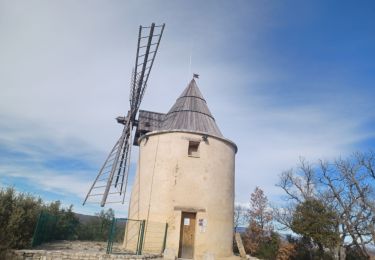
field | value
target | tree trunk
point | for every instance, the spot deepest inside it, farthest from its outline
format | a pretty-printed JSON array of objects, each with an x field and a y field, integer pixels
[
  {"x": 321, "y": 250},
  {"x": 342, "y": 253}
]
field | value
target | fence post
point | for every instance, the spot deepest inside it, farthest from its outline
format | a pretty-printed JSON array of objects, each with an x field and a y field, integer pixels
[
  {"x": 36, "y": 233},
  {"x": 111, "y": 234},
  {"x": 141, "y": 236},
  {"x": 165, "y": 237}
]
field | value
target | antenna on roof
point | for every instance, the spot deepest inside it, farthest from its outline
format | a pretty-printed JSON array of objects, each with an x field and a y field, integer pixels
[{"x": 195, "y": 76}]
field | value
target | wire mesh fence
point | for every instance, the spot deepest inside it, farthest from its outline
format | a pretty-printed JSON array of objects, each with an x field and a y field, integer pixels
[
  {"x": 59, "y": 226},
  {"x": 133, "y": 239},
  {"x": 137, "y": 237},
  {"x": 45, "y": 230},
  {"x": 122, "y": 236},
  {"x": 155, "y": 236}
]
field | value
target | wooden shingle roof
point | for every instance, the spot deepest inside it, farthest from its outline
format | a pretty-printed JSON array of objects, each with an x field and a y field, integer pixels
[{"x": 191, "y": 113}]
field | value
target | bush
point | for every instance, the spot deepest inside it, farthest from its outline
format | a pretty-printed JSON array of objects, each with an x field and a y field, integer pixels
[
  {"x": 303, "y": 248},
  {"x": 268, "y": 247},
  {"x": 19, "y": 214},
  {"x": 264, "y": 247},
  {"x": 353, "y": 253},
  {"x": 97, "y": 229},
  {"x": 286, "y": 251},
  {"x": 18, "y": 217}
]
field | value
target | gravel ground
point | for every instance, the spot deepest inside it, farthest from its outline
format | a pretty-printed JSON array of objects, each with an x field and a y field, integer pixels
[
  {"x": 87, "y": 250},
  {"x": 77, "y": 246}
]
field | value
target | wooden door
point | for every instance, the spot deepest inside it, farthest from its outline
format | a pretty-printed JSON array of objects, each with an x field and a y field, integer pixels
[{"x": 187, "y": 235}]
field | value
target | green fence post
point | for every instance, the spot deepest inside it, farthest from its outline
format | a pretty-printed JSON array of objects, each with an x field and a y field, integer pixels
[
  {"x": 36, "y": 233},
  {"x": 141, "y": 236},
  {"x": 53, "y": 231},
  {"x": 165, "y": 237},
  {"x": 111, "y": 235}
]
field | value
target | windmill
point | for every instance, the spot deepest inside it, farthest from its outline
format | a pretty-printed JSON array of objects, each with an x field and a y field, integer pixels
[{"x": 111, "y": 181}]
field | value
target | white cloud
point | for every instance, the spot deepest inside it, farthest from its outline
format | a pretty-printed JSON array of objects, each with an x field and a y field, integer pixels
[
  {"x": 65, "y": 72},
  {"x": 50, "y": 181}
]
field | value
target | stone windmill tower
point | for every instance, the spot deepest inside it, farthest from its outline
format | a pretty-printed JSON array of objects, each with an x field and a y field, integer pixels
[{"x": 185, "y": 177}]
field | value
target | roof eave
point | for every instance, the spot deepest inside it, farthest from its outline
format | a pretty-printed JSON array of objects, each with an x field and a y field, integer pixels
[{"x": 190, "y": 132}]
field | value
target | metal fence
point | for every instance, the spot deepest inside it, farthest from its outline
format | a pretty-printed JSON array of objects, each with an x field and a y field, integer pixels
[
  {"x": 130, "y": 236},
  {"x": 155, "y": 236},
  {"x": 124, "y": 236},
  {"x": 45, "y": 229}
]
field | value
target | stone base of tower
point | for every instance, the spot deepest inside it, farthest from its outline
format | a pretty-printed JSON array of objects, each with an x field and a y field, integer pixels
[
  {"x": 171, "y": 255},
  {"x": 209, "y": 235}
]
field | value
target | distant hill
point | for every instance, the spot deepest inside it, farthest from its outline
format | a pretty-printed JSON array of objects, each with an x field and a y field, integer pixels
[
  {"x": 241, "y": 229},
  {"x": 84, "y": 219}
]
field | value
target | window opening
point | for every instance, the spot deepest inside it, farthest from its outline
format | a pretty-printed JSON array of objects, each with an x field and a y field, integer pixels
[{"x": 193, "y": 149}]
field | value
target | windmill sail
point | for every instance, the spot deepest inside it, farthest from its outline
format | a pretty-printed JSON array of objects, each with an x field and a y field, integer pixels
[{"x": 110, "y": 184}]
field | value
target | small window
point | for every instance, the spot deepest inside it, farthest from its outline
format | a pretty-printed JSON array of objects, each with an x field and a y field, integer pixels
[{"x": 193, "y": 150}]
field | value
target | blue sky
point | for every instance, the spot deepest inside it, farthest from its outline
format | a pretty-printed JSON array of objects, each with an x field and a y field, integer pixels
[{"x": 283, "y": 79}]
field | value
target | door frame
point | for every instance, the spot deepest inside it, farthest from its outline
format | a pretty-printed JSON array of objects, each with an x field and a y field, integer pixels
[{"x": 181, "y": 232}]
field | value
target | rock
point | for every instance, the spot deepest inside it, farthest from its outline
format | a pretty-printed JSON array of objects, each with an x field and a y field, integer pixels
[{"x": 240, "y": 245}]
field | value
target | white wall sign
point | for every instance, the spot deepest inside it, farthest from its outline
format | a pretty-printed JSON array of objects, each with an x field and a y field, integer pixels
[
  {"x": 186, "y": 221},
  {"x": 202, "y": 225}
]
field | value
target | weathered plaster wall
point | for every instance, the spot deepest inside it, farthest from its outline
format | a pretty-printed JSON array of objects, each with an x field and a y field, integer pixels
[{"x": 169, "y": 181}]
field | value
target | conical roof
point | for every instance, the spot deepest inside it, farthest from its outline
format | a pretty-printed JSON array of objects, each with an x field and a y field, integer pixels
[{"x": 190, "y": 112}]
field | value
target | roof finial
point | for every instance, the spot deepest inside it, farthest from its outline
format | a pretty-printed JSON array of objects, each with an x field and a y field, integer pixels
[{"x": 195, "y": 76}]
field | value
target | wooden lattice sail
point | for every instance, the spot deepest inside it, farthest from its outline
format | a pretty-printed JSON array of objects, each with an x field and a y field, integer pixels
[{"x": 110, "y": 184}]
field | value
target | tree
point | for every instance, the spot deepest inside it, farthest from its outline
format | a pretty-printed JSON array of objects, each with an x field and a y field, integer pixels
[
  {"x": 259, "y": 214},
  {"x": 106, "y": 218},
  {"x": 98, "y": 228},
  {"x": 345, "y": 186},
  {"x": 67, "y": 225},
  {"x": 19, "y": 214},
  {"x": 18, "y": 217},
  {"x": 299, "y": 185},
  {"x": 350, "y": 190},
  {"x": 259, "y": 231},
  {"x": 239, "y": 217},
  {"x": 268, "y": 246},
  {"x": 318, "y": 223},
  {"x": 286, "y": 251}
]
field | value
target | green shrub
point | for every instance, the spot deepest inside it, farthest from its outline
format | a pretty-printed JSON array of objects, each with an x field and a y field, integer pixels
[
  {"x": 19, "y": 214},
  {"x": 268, "y": 247},
  {"x": 18, "y": 217}
]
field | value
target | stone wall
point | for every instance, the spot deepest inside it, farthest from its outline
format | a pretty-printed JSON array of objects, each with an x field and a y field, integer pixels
[{"x": 61, "y": 255}]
